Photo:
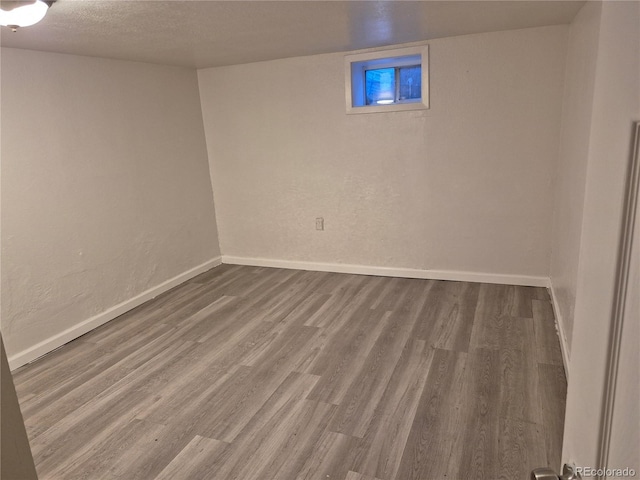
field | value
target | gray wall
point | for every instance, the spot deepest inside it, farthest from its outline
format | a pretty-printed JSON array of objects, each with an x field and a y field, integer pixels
[
  {"x": 465, "y": 186},
  {"x": 571, "y": 170},
  {"x": 105, "y": 188},
  {"x": 616, "y": 106}
]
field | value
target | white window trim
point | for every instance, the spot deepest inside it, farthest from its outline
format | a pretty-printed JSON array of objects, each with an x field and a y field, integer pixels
[{"x": 349, "y": 60}]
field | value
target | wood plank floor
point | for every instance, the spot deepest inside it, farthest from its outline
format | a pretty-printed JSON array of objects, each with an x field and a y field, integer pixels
[{"x": 259, "y": 373}]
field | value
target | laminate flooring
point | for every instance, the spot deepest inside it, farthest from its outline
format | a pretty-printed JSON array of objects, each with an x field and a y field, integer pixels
[{"x": 261, "y": 373}]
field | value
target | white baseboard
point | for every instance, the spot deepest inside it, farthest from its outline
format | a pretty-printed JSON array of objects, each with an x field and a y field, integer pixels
[
  {"x": 564, "y": 346},
  {"x": 459, "y": 276},
  {"x": 51, "y": 343}
]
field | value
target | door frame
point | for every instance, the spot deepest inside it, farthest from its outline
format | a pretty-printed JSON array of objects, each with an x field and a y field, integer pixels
[{"x": 621, "y": 294}]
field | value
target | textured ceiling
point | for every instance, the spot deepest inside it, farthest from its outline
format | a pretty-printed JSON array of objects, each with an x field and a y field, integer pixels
[{"x": 213, "y": 33}]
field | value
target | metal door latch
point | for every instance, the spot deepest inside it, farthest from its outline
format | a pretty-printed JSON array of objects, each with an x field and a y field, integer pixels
[{"x": 568, "y": 473}]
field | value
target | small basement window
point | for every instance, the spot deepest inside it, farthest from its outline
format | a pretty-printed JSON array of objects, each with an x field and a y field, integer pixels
[
  {"x": 388, "y": 80},
  {"x": 384, "y": 86}
]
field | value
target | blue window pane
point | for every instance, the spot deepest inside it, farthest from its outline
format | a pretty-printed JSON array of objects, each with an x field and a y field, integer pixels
[
  {"x": 380, "y": 86},
  {"x": 410, "y": 82}
]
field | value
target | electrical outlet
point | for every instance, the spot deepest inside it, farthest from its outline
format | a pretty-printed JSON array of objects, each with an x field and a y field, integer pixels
[{"x": 319, "y": 223}]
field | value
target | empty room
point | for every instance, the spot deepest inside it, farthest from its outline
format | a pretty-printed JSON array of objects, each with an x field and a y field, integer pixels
[{"x": 345, "y": 240}]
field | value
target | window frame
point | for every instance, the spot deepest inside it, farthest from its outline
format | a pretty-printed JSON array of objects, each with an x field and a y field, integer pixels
[
  {"x": 396, "y": 80},
  {"x": 357, "y": 64}
]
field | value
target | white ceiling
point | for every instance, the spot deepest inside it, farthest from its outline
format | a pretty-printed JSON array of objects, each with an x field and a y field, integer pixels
[{"x": 201, "y": 34}]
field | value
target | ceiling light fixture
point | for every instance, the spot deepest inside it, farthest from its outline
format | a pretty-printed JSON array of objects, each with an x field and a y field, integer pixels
[{"x": 14, "y": 14}]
